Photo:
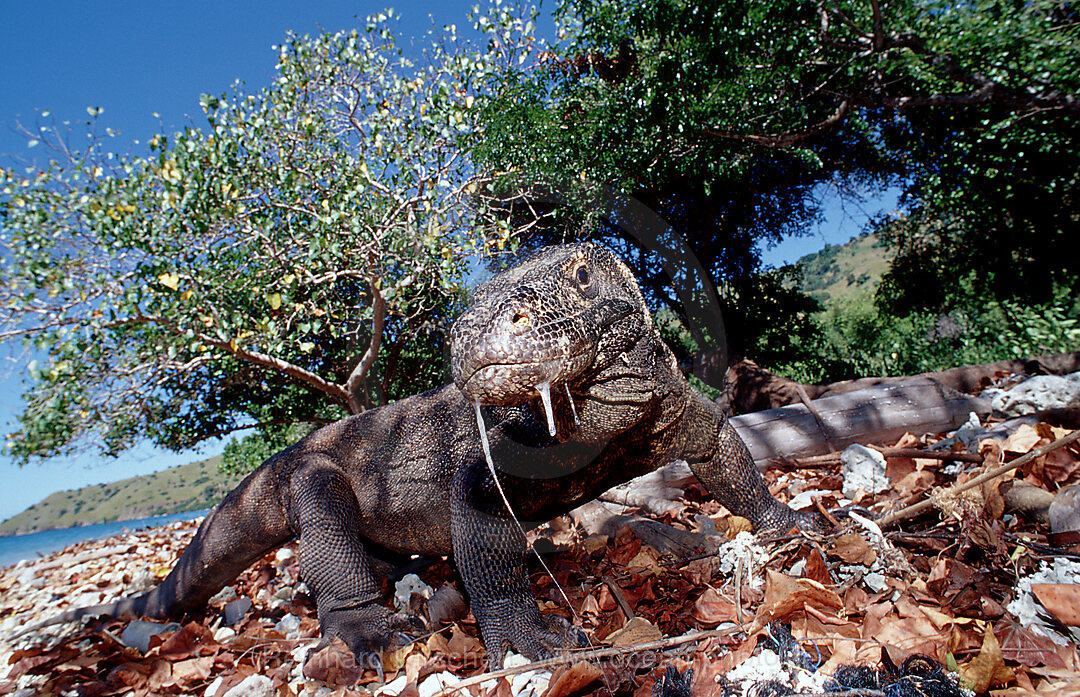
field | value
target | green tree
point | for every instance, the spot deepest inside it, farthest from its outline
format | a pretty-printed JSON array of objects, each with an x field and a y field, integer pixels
[
  {"x": 728, "y": 117},
  {"x": 292, "y": 261}
]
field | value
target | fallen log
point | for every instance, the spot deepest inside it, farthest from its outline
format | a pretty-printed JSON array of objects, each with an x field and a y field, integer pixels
[
  {"x": 752, "y": 388},
  {"x": 877, "y": 414}
]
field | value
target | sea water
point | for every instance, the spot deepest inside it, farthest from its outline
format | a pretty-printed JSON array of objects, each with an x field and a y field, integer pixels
[{"x": 15, "y": 548}]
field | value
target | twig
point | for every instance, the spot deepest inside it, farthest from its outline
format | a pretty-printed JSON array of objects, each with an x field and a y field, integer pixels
[
  {"x": 833, "y": 458},
  {"x": 1039, "y": 547},
  {"x": 824, "y": 513},
  {"x": 574, "y": 657},
  {"x": 909, "y": 511},
  {"x": 616, "y": 593}
]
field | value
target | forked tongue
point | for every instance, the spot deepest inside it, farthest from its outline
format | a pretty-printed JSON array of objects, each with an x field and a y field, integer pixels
[
  {"x": 570, "y": 398},
  {"x": 484, "y": 439},
  {"x": 544, "y": 389}
]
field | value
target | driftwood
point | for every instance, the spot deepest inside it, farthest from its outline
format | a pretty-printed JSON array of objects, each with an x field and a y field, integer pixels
[
  {"x": 876, "y": 414},
  {"x": 881, "y": 413},
  {"x": 752, "y": 388}
]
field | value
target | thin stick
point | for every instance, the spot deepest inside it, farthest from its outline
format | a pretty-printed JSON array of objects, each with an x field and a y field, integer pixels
[
  {"x": 1019, "y": 462},
  {"x": 616, "y": 593},
  {"x": 575, "y": 657}
]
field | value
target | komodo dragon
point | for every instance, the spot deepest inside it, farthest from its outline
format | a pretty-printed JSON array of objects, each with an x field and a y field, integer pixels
[{"x": 568, "y": 325}]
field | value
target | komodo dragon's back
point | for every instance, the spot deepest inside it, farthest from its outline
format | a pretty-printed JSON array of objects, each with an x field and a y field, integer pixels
[{"x": 557, "y": 360}]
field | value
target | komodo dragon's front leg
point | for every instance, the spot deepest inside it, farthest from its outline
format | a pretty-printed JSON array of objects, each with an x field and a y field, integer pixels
[
  {"x": 721, "y": 461},
  {"x": 490, "y": 550},
  {"x": 323, "y": 512}
]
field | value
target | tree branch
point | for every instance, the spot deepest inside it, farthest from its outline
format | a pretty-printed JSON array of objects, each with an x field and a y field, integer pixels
[
  {"x": 359, "y": 373},
  {"x": 232, "y": 429},
  {"x": 781, "y": 140}
]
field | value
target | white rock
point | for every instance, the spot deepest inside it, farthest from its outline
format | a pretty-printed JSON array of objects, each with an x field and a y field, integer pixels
[
  {"x": 409, "y": 584},
  {"x": 863, "y": 468},
  {"x": 284, "y": 556},
  {"x": 764, "y": 666},
  {"x": 875, "y": 581},
  {"x": 437, "y": 682},
  {"x": 137, "y": 634},
  {"x": 212, "y": 688},
  {"x": 1027, "y": 608},
  {"x": 393, "y": 687},
  {"x": 288, "y": 624},
  {"x": 532, "y": 683},
  {"x": 224, "y": 634},
  {"x": 253, "y": 686},
  {"x": 752, "y": 556},
  {"x": 805, "y": 499}
]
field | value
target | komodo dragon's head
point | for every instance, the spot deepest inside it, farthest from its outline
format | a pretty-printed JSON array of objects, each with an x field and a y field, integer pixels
[{"x": 559, "y": 313}]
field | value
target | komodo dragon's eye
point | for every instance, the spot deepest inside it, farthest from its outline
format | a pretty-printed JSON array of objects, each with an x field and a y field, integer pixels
[{"x": 583, "y": 277}]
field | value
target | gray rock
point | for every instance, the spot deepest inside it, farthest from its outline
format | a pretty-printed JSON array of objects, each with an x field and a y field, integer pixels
[
  {"x": 223, "y": 596},
  {"x": 236, "y": 609},
  {"x": 1065, "y": 510},
  {"x": 137, "y": 634},
  {"x": 1035, "y": 394}
]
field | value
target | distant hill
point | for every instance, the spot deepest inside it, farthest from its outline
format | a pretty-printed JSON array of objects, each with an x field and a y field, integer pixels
[
  {"x": 842, "y": 271},
  {"x": 183, "y": 488}
]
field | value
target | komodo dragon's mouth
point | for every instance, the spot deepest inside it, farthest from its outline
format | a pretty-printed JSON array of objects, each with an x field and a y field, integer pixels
[{"x": 508, "y": 383}]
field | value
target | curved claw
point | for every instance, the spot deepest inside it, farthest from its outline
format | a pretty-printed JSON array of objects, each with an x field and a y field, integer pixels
[{"x": 369, "y": 659}]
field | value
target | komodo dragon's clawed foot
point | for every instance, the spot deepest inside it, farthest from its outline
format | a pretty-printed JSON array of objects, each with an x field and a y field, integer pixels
[
  {"x": 368, "y": 631},
  {"x": 531, "y": 634}
]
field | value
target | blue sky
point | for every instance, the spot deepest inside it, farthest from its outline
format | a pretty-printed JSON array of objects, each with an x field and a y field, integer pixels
[{"x": 135, "y": 59}]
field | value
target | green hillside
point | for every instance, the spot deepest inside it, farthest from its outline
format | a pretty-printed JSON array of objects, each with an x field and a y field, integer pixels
[
  {"x": 182, "y": 488},
  {"x": 842, "y": 271}
]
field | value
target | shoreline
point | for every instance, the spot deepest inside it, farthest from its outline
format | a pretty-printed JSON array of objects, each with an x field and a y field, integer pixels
[{"x": 43, "y": 543}]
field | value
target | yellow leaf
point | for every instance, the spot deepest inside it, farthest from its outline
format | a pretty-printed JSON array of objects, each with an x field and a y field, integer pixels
[
  {"x": 186, "y": 295},
  {"x": 169, "y": 280},
  {"x": 232, "y": 344},
  {"x": 274, "y": 299}
]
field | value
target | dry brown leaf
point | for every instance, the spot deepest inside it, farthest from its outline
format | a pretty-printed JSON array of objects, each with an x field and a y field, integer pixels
[
  {"x": 785, "y": 595},
  {"x": 637, "y": 631},
  {"x": 816, "y": 569},
  {"x": 463, "y": 646},
  {"x": 1022, "y": 439},
  {"x": 711, "y": 608},
  {"x": 644, "y": 559},
  {"x": 853, "y": 549},
  {"x": 193, "y": 639},
  {"x": 1061, "y": 599},
  {"x": 192, "y": 670},
  {"x": 987, "y": 669},
  {"x": 334, "y": 665},
  {"x": 572, "y": 679},
  {"x": 914, "y": 483}
]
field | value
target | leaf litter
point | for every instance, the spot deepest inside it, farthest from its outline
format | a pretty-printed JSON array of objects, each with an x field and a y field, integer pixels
[{"x": 970, "y": 585}]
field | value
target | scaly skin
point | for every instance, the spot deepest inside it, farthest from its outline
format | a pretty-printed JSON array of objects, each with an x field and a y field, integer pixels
[{"x": 411, "y": 477}]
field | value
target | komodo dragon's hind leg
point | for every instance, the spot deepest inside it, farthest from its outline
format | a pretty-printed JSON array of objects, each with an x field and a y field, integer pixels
[{"x": 334, "y": 565}]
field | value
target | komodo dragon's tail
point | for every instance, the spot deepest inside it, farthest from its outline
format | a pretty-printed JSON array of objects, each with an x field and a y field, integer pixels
[{"x": 249, "y": 522}]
